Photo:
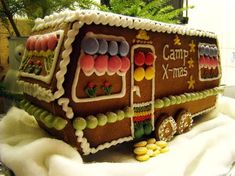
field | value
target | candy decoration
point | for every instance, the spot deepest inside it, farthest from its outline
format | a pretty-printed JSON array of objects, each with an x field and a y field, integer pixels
[
  {"x": 113, "y": 48},
  {"x": 92, "y": 122},
  {"x": 149, "y": 73},
  {"x": 102, "y": 119},
  {"x": 125, "y": 64},
  {"x": 87, "y": 63},
  {"x": 28, "y": 43},
  {"x": 44, "y": 42},
  {"x": 124, "y": 48},
  {"x": 149, "y": 58},
  {"x": 139, "y": 74},
  {"x": 32, "y": 42},
  {"x": 103, "y": 46},
  {"x": 90, "y": 45},
  {"x": 101, "y": 63},
  {"x": 139, "y": 58},
  {"x": 52, "y": 41},
  {"x": 143, "y": 150},
  {"x": 114, "y": 64}
]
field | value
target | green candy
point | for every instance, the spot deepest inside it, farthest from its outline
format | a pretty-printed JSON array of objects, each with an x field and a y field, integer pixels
[
  {"x": 178, "y": 100},
  {"x": 129, "y": 112},
  {"x": 188, "y": 96},
  {"x": 158, "y": 103},
  {"x": 120, "y": 115},
  {"x": 139, "y": 132},
  {"x": 22, "y": 103},
  {"x": 37, "y": 113},
  {"x": 172, "y": 99},
  {"x": 92, "y": 122},
  {"x": 48, "y": 121},
  {"x": 79, "y": 123},
  {"x": 166, "y": 101},
  {"x": 27, "y": 105},
  {"x": 193, "y": 96},
  {"x": 147, "y": 129},
  {"x": 112, "y": 117},
  {"x": 30, "y": 109},
  {"x": 102, "y": 119},
  {"x": 43, "y": 115},
  {"x": 59, "y": 123},
  {"x": 183, "y": 98}
]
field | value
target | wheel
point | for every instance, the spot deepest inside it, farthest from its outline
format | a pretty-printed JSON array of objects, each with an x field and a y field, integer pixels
[
  {"x": 184, "y": 121},
  {"x": 165, "y": 128}
]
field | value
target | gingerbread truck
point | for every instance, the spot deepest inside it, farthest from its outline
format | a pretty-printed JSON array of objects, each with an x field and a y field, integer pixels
[{"x": 97, "y": 79}]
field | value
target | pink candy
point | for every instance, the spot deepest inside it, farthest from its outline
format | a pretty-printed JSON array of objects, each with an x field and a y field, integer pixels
[
  {"x": 101, "y": 63},
  {"x": 114, "y": 64},
  {"x": 87, "y": 63},
  {"x": 52, "y": 41},
  {"x": 125, "y": 64}
]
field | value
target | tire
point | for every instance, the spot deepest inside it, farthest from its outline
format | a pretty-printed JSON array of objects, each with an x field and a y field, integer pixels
[
  {"x": 165, "y": 128},
  {"x": 184, "y": 121}
]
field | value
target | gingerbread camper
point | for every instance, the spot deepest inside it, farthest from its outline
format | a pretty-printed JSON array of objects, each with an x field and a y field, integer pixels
[{"x": 97, "y": 79}]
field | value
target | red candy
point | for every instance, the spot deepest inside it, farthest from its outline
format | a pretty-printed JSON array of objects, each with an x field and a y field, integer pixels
[
  {"x": 38, "y": 44},
  {"x": 32, "y": 41},
  {"x": 139, "y": 58},
  {"x": 114, "y": 64},
  {"x": 125, "y": 64},
  {"x": 28, "y": 43},
  {"x": 149, "y": 58},
  {"x": 101, "y": 63},
  {"x": 52, "y": 41},
  {"x": 44, "y": 42},
  {"x": 87, "y": 63}
]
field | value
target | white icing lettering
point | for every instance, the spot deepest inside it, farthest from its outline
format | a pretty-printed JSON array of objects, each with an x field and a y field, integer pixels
[{"x": 165, "y": 68}]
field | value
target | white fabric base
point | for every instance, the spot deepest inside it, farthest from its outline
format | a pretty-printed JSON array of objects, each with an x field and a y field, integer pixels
[{"x": 208, "y": 150}]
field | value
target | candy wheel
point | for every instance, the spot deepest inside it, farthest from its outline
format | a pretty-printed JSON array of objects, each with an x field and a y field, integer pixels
[
  {"x": 184, "y": 121},
  {"x": 165, "y": 128}
]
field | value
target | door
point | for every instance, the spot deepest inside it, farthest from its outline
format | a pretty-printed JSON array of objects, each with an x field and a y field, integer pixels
[{"x": 142, "y": 88}]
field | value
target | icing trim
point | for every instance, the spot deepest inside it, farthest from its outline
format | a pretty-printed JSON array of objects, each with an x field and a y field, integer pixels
[
  {"x": 36, "y": 91},
  {"x": 203, "y": 112},
  {"x": 111, "y": 19},
  {"x": 64, "y": 102},
  {"x": 186, "y": 97},
  {"x": 47, "y": 118},
  {"x": 66, "y": 58},
  {"x": 85, "y": 145}
]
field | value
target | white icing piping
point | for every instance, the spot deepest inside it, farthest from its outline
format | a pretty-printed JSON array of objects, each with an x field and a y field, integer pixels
[
  {"x": 106, "y": 18},
  {"x": 86, "y": 146},
  {"x": 36, "y": 91},
  {"x": 203, "y": 112},
  {"x": 66, "y": 58},
  {"x": 64, "y": 102}
]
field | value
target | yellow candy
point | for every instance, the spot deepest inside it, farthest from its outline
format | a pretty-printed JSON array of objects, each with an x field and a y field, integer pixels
[
  {"x": 164, "y": 150},
  {"x": 155, "y": 153},
  {"x": 151, "y": 141},
  {"x": 161, "y": 144},
  {"x": 142, "y": 157},
  {"x": 140, "y": 150},
  {"x": 140, "y": 144},
  {"x": 149, "y": 73},
  {"x": 151, "y": 146},
  {"x": 139, "y": 74}
]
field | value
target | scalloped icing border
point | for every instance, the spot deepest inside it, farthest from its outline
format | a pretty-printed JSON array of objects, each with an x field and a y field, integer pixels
[{"x": 111, "y": 19}]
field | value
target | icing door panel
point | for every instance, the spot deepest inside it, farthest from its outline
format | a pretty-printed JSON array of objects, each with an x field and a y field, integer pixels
[{"x": 143, "y": 88}]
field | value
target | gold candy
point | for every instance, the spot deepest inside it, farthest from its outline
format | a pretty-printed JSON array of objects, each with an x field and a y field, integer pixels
[
  {"x": 161, "y": 144},
  {"x": 140, "y": 144},
  {"x": 142, "y": 157},
  {"x": 151, "y": 141},
  {"x": 164, "y": 150},
  {"x": 151, "y": 146},
  {"x": 140, "y": 150}
]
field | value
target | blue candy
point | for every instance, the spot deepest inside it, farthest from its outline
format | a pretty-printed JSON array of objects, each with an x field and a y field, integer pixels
[
  {"x": 124, "y": 48},
  {"x": 113, "y": 48},
  {"x": 90, "y": 45},
  {"x": 103, "y": 46}
]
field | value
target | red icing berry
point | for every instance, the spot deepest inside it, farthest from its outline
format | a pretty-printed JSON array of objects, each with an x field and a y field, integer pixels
[
  {"x": 52, "y": 41},
  {"x": 32, "y": 42},
  {"x": 106, "y": 84},
  {"x": 91, "y": 85},
  {"x": 44, "y": 42},
  {"x": 125, "y": 64},
  {"x": 114, "y": 64},
  {"x": 101, "y": 63},
  {"x": 38, "y": 44},
  {"x": 149, "y": 58},
  {"x": 87, "y": 63},
  {"x": 139, "y": 58},
  {"x": 38, "y": 62},
  {"x": 30, "y": 62}
]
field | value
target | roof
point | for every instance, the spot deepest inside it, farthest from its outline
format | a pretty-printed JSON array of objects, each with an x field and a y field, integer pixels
[{"x": 111, "y": 19}]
